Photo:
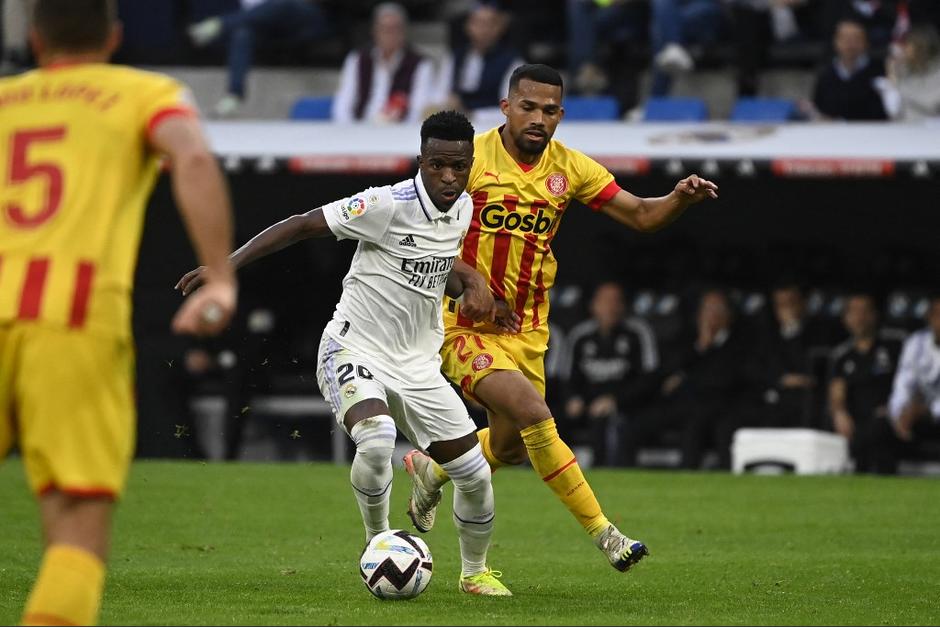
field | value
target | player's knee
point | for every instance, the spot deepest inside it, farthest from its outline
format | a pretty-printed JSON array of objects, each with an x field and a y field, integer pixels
[
  {"x": 528, "y": 412},
  {"x": 477, "y": 478},
  {"x": 375, "y": 439}
]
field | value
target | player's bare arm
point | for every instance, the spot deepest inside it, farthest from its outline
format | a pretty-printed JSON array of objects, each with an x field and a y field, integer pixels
[
  {"x": 652, "y": 214},
  {"x": 274, "y": 238},
  {"x": 477, "y": 302},
  {"x": 204, "y": 204},
  {"x": 841, "y": 418},
  {"x": 466, "y": 283}
]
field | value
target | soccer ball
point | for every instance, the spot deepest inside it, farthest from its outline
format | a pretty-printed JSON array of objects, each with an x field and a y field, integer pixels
[{"x": 396, "y": 565}]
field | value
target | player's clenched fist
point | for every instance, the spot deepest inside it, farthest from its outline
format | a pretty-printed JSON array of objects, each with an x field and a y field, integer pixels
[{"x": 209, "y": 310}]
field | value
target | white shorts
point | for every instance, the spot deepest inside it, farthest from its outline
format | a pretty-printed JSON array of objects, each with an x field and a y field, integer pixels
[{"x": 425, "y": 412}]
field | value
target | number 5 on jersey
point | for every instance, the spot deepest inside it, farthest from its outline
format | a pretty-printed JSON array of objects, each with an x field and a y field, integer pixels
[{"x": 22, "y": 171}]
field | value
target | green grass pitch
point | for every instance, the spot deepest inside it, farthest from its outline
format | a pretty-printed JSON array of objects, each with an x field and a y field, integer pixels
[{"x": 219, "y": 544}]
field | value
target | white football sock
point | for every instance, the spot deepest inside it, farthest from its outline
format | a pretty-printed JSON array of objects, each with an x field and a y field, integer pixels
[
  {"x": 473, "y": 507},
  {"x": 371, "y": 472}
]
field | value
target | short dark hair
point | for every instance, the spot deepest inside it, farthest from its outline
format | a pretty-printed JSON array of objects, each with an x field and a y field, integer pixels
[
  {"x": 447, "y": 125},
  {"x": 790, "y": 281},
  {"x": 860, "y": 291},
  {"x": 854, "y": 20},
  {"x": 536, "y": 72},
  {"x": 74, "y": 25}
]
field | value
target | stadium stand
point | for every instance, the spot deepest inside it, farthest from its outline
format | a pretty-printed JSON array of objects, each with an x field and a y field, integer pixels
[
  {"x": 591, "y": 108},
  {"x": 312, "y": 108},
  {"x": 675, "y": 110},
  {"x": 763, "y": 110}
]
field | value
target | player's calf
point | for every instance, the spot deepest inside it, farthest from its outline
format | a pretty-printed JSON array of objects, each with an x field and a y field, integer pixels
[
  {"x": 474, "y": 514},
  {"x": 371, "y": 472}
]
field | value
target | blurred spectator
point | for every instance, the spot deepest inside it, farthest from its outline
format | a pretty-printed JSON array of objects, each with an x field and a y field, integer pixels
[
  {"x": 674, "y": 25},
  {"x": 845, "y": 89},
  {"x": 589, "y": 24},
  {"x": 759, "y": 23},
  {"x": 877, "y": 17},
  {"x": 609, "y": 373},
  {"x": 912, "y": 89},
  {"x": 915, "y": 398},
  {"x": 862, "y": 370},
  {"x": 475, "y": 75},
  {"x": 287, "y": 22},
  {"x": 783, "y": 364},
  {"x": 15, "y": 21},
  {"x": 701, "y": 398},
  {"x": 388, "y": 82}
]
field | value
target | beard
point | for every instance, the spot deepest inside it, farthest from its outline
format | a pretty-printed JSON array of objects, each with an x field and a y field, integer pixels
[{"x": 530, "y": 147}]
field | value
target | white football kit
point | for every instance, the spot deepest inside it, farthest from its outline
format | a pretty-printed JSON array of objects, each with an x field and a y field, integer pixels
[{"x": 386, "y": 333}]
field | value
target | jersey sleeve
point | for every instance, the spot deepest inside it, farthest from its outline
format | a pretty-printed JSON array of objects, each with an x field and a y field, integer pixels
[
  {"x": 365, "y": 216},
  {"x": 596, "y": 185},
  {"x": 163, "y": 97}
]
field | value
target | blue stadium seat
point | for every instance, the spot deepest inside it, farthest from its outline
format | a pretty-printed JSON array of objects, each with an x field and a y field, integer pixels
[
  {"x": 591, "y": 108},
  {"x": 318, "y": 108},
  {"x": 675, "y": 110},
  {"x": 763, "y": 110}
]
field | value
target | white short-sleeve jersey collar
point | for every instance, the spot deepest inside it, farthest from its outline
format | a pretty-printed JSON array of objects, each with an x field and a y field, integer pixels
[{"x": 430, "y": 210}]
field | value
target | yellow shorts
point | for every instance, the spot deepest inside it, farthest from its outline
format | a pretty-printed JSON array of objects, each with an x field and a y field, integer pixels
[
  {"x": 67, "y": 400},
  {"x": 470, "y": 354}
]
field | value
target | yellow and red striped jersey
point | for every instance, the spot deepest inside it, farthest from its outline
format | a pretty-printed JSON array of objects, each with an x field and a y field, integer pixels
[
  {"x": 516, "y": 213},
  {"x": 77, "y": 171}
]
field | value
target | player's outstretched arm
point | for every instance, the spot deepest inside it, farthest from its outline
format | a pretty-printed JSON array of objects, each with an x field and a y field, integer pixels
[
  {"x": 652, "y": 214},
  {"x": 274, "y": 238},
  {"x": 203, "y": 201}
]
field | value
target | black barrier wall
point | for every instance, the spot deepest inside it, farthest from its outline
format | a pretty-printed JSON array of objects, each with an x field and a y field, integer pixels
[{"x": 832, "y": 233}]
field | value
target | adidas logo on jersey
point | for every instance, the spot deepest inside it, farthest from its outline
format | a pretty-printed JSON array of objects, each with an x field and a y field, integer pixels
[{"x": 408, "y": 241}]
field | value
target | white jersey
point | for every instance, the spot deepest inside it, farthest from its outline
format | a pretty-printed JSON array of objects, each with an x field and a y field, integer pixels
[
  {"x": 918, "y": 375},
  {"x": 390, "y": 309}
]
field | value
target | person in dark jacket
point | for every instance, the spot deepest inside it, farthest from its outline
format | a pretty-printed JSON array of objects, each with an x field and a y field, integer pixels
[
  {"x": 609, "y": 373},
  {"x": 861, "y": 374},
  {"x": 475, "y": 75},
  {"x": 701, "y": 398},
  {"x": 845, "y": 89}
]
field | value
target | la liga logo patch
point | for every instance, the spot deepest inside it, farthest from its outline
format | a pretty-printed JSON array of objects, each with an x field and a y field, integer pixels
[
  {"x": 482, "y": 361},
  {"x": 356, "y": 206}
]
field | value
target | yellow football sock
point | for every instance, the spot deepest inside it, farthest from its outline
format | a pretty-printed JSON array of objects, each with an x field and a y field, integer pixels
[
  {"x": 557, "y": 466},
  {"x": 68, "y": 589}
]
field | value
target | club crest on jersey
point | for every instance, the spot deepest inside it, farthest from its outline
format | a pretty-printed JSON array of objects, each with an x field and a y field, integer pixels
[
  {"x": 349, "y": 391},
  {"x": 355, "y": 207},
  {"x": 482, "y": 361},
  {"x": 557, "y": 184}
]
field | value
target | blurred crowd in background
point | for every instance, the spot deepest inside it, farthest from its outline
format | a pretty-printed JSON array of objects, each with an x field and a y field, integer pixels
[
  {"x": 870, "y": 59},
  {"x": 664, "y": 378},
  {"x": 630, "y": 371}
]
